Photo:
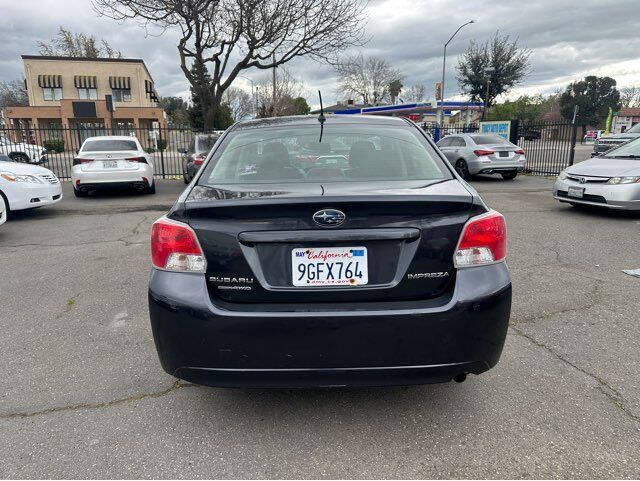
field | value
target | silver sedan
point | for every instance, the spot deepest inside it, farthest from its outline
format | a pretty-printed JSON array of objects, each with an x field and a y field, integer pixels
[
  {"x": 611, "y": 180},
  {"x": 482, "y": 154}
]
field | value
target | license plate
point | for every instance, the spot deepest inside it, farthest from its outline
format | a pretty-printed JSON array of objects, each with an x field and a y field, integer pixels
[
  {"x": 575, "y": 192},
  {"x": 329, "y": 266},
  {"x": 109, "y": 164},
  {"x": 503, "y": 154}
]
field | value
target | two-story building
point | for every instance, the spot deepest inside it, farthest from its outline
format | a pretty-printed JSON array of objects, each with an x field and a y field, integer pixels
[{"x": 70, "y": 93}]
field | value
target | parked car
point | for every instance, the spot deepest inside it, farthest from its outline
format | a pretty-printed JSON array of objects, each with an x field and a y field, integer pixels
[
  {"x": 3, "y": 210},
  {"x": 604, "y": 143},
  {"x": 610, "y": 180},
  {"x": 472, "y": 154},
  {"x": 22, "y": 151},
  {"x": 387, "y": 270},
  {"x": 25, "y": 186},
  {"x": 196, "y": 153},
  {"x": 112, "y": 161}
]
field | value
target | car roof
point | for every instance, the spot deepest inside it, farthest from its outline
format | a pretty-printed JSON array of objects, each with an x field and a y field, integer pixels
[{"x": 331, "y": 119}]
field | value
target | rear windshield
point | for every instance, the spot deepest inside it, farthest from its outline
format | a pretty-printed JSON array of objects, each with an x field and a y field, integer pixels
[
  {"x": 109, "y": 145},
  {"x": 205, "y": 143},
  {"x": 348, "y": 152},
  {"x": 489, "y": 139}
]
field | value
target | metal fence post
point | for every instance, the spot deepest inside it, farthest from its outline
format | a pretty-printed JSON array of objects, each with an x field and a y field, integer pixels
[
  {"x": 162, "y": 154},
  {"x": 574, "y": 129}
]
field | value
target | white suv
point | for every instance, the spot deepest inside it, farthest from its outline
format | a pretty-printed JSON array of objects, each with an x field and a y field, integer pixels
[{"x": 112, "y": 161}]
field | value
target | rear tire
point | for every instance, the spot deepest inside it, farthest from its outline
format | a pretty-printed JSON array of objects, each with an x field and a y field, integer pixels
[
  {"x": 20, "y": 158},
  {"x": 79, "y": 193},
  {"x": 151, "y": 189},
  {"x": 462, "y": 169},
  {"x": 509, "y": 175},
  {"x": 184, "y": 177}
]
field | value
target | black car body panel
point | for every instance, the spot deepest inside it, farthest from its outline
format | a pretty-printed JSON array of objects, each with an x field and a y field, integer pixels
[{"x": 242, "y": 323}]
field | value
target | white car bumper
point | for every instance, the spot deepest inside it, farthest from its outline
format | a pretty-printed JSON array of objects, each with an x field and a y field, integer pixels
[
  {"x": 3, "y": 211},
  {"x": 142, "y": 173},
  {"x": 27, "y": 195}
]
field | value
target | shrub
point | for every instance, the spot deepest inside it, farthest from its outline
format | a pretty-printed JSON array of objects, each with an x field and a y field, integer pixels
[
  {"x": 54, "y": 145},
  {"x": 162, "y": 144}
]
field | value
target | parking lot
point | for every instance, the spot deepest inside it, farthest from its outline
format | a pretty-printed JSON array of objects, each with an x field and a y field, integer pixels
[{"x": 83, "y": 393}]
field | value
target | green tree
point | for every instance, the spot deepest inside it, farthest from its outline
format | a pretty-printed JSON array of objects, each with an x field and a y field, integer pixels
[
  {"x": 177, "y": 110},
  {"x": 525, "y": 108},
  {"x": 593, "y": 96},
  {"x": 499, "y": 62},
  {"x": 300, "y": 106}
]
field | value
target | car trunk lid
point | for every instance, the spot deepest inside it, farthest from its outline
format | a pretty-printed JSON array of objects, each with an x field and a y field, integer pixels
[{"x": 409, "y": 231}]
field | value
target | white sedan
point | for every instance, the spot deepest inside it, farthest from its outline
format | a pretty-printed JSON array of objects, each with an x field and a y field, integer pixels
[
  {"x": 112, "y": 161},
  {"x": 25, "y": 186}
]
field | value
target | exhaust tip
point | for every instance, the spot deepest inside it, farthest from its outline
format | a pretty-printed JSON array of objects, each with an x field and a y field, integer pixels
[{"x": 460, "y": 377}]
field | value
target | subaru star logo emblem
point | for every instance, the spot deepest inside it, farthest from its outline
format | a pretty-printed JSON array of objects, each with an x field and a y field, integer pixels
[{"x": 329, "y": 217}]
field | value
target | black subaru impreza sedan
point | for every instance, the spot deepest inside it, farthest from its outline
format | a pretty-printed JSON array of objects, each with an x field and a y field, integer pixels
[{"x": 316, "y": 252}]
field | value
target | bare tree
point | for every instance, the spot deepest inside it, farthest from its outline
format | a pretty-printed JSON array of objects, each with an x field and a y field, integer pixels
[
  {"x": 240, "y": 103},
  {"x": 288, "y": 89},
  {"x": 221, "y": 38},
  {"x": 413, "y": 93},
  {"x": 69, "y": 44},
  {"x": 13, "y": 94},
  {"x": 366, "y": 78},
  {"x": 630, "y": 96}
]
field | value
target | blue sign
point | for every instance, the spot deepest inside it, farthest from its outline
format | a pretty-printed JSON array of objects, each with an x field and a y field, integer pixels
[{"x": 498, "y": 127}]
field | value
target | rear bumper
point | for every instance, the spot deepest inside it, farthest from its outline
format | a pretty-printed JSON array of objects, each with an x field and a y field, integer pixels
[
  {"x": 138, "y": 185},
  {"x": 96, "y": 177},
  {"x": 345, "y": 346},
  {"x": 496, "y": 167}
]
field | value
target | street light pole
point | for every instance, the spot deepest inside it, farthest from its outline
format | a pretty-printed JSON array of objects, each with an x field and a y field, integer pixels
[
  {"x": 253, "y": 94},
  {"x": 444, "y": 61}
]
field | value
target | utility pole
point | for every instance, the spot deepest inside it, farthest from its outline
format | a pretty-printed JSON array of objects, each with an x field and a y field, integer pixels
[{"x": 444, "y": 61}]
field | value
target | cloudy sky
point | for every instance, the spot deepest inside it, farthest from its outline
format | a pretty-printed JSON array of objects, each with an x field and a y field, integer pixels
[{"x": 569, "y": 39}]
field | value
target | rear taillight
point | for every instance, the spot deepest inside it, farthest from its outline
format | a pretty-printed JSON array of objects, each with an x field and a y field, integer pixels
[
  {"x": 78, "y": 161},
  {"x": 481, "y": 152},
  {"x": 175, "y": 247},
  {"x": 198, "y": 159},
  {"x": 141, "y": 160},
  {"x": 483, "y": 241},
  {"x": 520, "y": 151}
]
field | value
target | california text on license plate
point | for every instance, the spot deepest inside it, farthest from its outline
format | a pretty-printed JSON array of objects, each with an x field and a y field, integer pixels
[
  {"x": 109, "y": 164},
  {"x": 329, "y": 266}
]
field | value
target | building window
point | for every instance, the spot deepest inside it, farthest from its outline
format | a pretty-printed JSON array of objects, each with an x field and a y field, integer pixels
[
  {"x": 52, "y": 93},
  {"x": 87, "y": 94},
  {"x": 122, "y": 95}
]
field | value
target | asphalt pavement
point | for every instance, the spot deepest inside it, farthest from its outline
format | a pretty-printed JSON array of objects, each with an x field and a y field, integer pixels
[{"x": 83, "y": 393}]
